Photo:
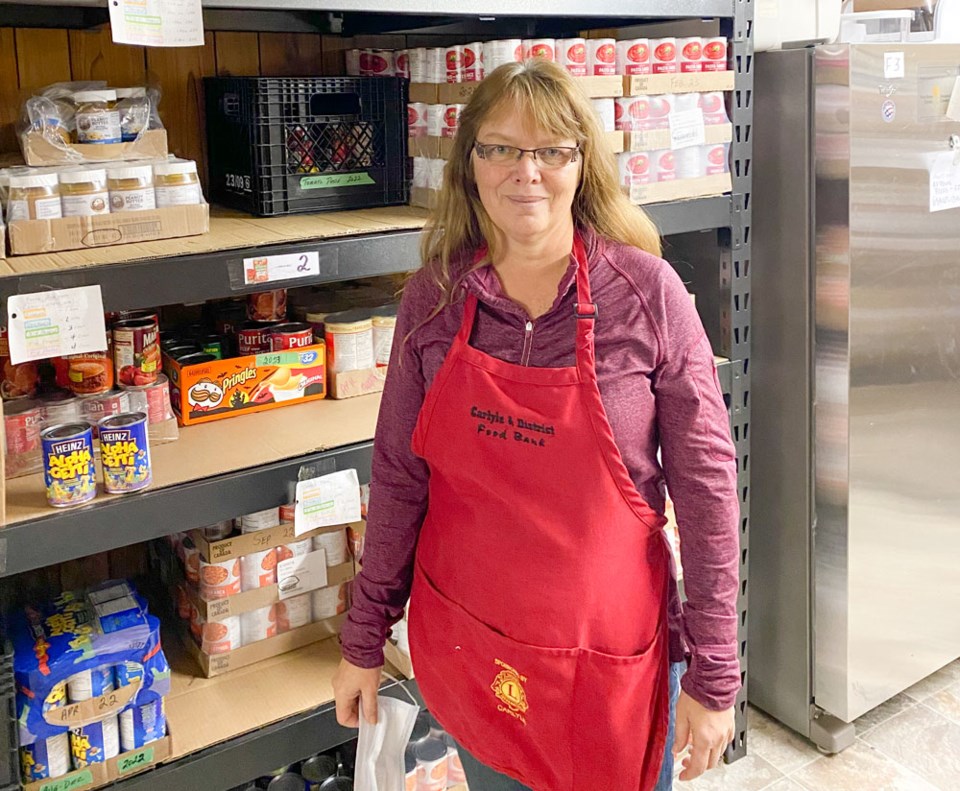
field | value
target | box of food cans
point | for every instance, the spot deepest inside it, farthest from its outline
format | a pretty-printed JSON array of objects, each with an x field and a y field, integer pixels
[
  {"x": 680, "y": 82},
  {"x": 215, "y": 389}
]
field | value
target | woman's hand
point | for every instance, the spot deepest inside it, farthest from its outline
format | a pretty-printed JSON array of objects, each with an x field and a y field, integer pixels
[
  {"x": 351, "y": 684},
  {"x": 708, "y": 733}
]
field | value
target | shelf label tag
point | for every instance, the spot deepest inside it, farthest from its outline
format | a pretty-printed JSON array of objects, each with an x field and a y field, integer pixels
[
  {"x": 944, "y": 182},
  {"x": 56, "y": 323},
  {"x": 71, "y": 781},
  {"x": 298, "y": 575},
  {"x": 268, "y": 268},
  {"x": 131, "y": 762},
  {"x": 332, "y": 499},
  {"x": 687, "y": 129}
]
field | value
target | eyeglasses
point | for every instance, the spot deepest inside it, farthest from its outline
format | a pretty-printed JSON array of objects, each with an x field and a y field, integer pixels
[{"x": 550, "y": 157}]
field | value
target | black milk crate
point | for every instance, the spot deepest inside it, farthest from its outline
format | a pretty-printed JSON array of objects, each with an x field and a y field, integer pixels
[
  {"x": 9, "y": 739},
  {"x": 284, "y": 145}
]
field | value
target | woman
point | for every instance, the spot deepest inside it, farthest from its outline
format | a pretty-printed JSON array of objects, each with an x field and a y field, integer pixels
[{"x": 545, "y": 352}]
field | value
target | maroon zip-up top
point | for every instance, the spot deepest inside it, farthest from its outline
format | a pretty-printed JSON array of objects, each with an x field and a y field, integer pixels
[{"x": 659, "y": 387}]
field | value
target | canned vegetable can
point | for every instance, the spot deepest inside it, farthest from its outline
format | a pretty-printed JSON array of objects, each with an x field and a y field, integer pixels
[
  {"x": 68, "y": 467},
  {"x": 125, "y": 453}
]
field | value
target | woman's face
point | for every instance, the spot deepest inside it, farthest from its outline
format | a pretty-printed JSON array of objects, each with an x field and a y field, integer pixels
[{"x": 525, "y": 200}]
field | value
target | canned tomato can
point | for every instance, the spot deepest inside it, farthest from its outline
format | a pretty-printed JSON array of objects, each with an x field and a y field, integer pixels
[
  {"x": 380, "y": 63},
  {"x": 435, "y": 119},
  {"x": 258, "y": 569},
  {"x": 294, "y": 612},
  {"x": 473, "y": 62},
  {"x": 293, "y": 335},
  {"x": 545, "y": 48},
  {"x": 714, "y": 159},
  {"x": 257, "y": 625},
  {"x": 632, "y": 113},
  {"x": 212, "y": 344},
  {"x": 95, "y": 743},
  {"x": 633, "y": 56},
  {"x": 690, "y": 54},
  {"x": 46, "y": 759},
  {"x": 142, "y": 723},
  {"x": 453, "y": 62},
  {"x": 220, "y": 579},
  {"x": 601, "y": 56},
  {"x": 660, "y": 108},
  {"x": 417, "y": 119},
  {"x": 663, "y": 166},
  {"x": 715, "y": 54},
  {"x": 401, "y": 64},
  {"x": 69, "y": 471},
  {"x": 451, "y": 119},
  {"x": 572, "y": 55},
  {"x": 634, "y": 168},
  {"x": 125, "y": 453},
  {"x": 664, "y": 59},
  {"x": 267, "y": 305},
  {"x": 136, "y": 351},
  {"x": 254, "y": 337},
  {"x": 714, "y": 108}
]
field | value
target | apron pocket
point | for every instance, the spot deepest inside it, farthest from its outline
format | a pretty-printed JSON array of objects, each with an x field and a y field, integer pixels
[{"x": 508, "y": 703}]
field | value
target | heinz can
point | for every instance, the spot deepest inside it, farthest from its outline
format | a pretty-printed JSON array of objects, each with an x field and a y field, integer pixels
[
  {"x": 254, "y": 338},
  {"x": 664, "y": 56},
  {"x": 633, "y": 56},
  {"x": 601, "y": 56},
  {"x": 125, "y": 453},
  {"x": 142, "y": 723},
  {"x": 572, "y": 55},
  {"x": 46, "y": 759},
  {"x": 690, "y": 53},
  {"x": 68, "y": 467},
  {"x": 715, "y": 54},
  {"x": 136, "y": 351},
  {"x": 293, "y": 335},
  {"x": 95, "y": 743},
  {"x": 473, "y": 62},
  {"x": 89, "y": 374}
]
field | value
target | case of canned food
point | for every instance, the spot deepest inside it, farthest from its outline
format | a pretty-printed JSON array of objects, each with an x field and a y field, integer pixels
[{"x": 359, "y": 347}]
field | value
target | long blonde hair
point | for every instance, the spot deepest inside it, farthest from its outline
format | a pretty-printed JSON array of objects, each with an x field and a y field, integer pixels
[{"x": 556, "y": 104}]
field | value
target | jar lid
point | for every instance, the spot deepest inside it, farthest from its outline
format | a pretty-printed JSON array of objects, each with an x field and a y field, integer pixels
[
  {"x": 138, "y": 172},
  {"x": 81, "y": 97},
  {"x": 83, "y": 176},
  {"x": 34, "y": 180},
  {"x": 131, "y": 93},
  {"x": 175, "y": 168}
]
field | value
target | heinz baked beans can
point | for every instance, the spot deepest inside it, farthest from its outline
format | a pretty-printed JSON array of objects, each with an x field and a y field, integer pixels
[
  {"x": 136, "y": 351},
  {"x": 453, "y": 62},
  {"x": 572, "y": 55},
  {"x": 89, "y": 373},
  {"x": 417, "y": 119},
  {"x": 294, "y": 612},
  {"x": 69, "y": 471},
  {"x": 219, "y": 580},
  {"x": 258, "y": 625},
  {"x": 221, "y": 637},
  {"x": 45, "y": 759},
  {"x": 292, "y": 335},
  {"x": 267, "y": 305},
  {"x": 715, "y": 54},
  {"x": 633, "y": 56},
  {"x": 601, "y": 57},
  {"x": 142, "y": 723},
  {"x": 254, "y": 338},
  {"x": 125, "y": 453},
  {"x": 473, "y": 62},
  {"x": 95, "y": 743},
  {"x": 258, "y": 569},
  {"x": 664, "y": 57},
  {"x": 690, "y": 54}
]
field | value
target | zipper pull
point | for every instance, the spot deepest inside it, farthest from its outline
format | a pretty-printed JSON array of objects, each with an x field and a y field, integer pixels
[{"x": 529, "y": 326}]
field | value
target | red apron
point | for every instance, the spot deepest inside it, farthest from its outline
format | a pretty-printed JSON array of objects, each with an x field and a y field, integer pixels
[{"x": 538, "y": 625}]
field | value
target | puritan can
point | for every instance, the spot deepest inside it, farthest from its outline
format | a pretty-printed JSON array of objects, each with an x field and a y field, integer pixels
[
  {"x": 453, "y": 63},
  {"x": 90, "y": 684},
  {"x": 136, "y": 351},
  {"x": 220, "y": 579},
  {"x": 258, "y": 625},
  {"x": 254, "y": 338},
  {"x": 572, "y": 55},
  {"x": 473, "y": 62},
  {"x": 125, "y": 453},
  {"x": 90, "y": 373},
  {"x": 664, "y": 59},
  {"x": 294, "y": 612},
  {"x": 292, "y": 335},
  {"x": 417, "y": 119},
  {"x": 141, "y": 724},
  {"x": 95, "y": 743},
  {"x": 220, "y": 637},
  {"x": 69, "y": 471},
  {"x": 328, "y": 602},
  {"x": 46, "y": 759},
  {"x": 267, "y": 305},
  {"x": 690, "y": 54},
  {"x": 715, "y": 54},
  {"x": 601, "y": 56},
  {"x": 633, "y": 56},
  {"x": 258, "y": 569}
]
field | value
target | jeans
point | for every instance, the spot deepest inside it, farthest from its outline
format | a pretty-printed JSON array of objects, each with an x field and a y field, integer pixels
[{"x": 483, "y": 778}]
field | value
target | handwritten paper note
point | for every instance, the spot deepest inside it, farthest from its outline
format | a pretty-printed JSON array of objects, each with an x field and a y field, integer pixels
[
  {"x": 157, "y": 23},
  {"x": 328, "y": 500},
  {"x": 687, "y": 129},
  {"x": 56, "y": 323},
  {"x": 945, "y": 181}
]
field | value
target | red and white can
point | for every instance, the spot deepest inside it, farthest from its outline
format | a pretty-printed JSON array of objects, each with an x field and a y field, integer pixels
[
  {"x": 436, "y": 65},
  {"x": 352, "y": 62},
  {"x": 21, "y": 420},
  {"x": 606, "y": 110},
  {"x": 401, "y": 64},
  {"x": 157, "y": 396},
  {"x": 221, "y": 579},
  {"x": 334, "y": 544},
  {"x": 267, "y": 305},
  {"x": 260, "y": 520},
  {"x": 190, "y": 555},
  {"x": 436, "y": 119},
  {"x": 633, "y": 56},
  {"x": 634, "y": 168},
  {"x": 451, "y": 120},
  {"x": 292, "y": 335},
  {"x": 497, "y": 53},
  {"x": 453, "y": 63},
  {"x": 664, "y": 56},
  {"x": 417, "y": 61},
  {"x": 631, "y": 113},
  {"x": 714, "y": 108},
  {"x": 328, "y": 602},
  {"x": 545, "y": 48},
  {"x": 365, "y": 55},
  {"x": 254, "y": 337},
  {"x": 221, "y": 637},
  {"x": 658, "y": 117},
  {"x": 380, "y": 63},
  {"x": 601, "y": 56},
  {"x": 663, "y": 166},
  {"x": 690, "y": 54},
  {"x": 258, "y": 569},
  {"x": 572, "y": 55},
  {"x": 136, "y": 351},
  {"x": 715, "y": 54},
  {"x": 288, "y": 512},
  {"x": 258, "y": 625},
  {"x": 295, "y": 549},
  {"x": 294, "y": 612},
  {"x": 473, "y": 62},
  {"x": 715, "y": 159}
]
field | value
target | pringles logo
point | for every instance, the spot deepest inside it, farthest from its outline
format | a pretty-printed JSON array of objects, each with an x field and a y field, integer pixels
[{"x": 508, "y": 689}]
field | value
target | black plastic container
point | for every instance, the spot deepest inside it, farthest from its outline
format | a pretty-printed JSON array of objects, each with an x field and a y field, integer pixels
[
  {"x": 286, "y": 145},
  {"x": 9, "y": 739}
]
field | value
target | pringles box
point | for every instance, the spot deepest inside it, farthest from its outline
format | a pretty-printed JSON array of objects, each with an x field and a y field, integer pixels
[{"x": 207, "y": 391}]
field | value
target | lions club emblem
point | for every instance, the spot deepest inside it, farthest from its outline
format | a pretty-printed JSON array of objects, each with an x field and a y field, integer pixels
[{"x": 508, "y": 687}]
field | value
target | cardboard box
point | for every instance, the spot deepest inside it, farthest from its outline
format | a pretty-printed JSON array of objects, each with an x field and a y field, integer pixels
[
  {"x": 257, "y": 541},
  {"x": 96, "y": 775},
  {"x": 703, "y": 82},
  {"x": 37, "y": 150},
  {"x": 656, "y": 139},
  {"x": 442, "y": 147},
  {"x": 219, "y": 389},
  {"x": 398, "y": 659},
  {"x": 459, "y": 92},
  {"x": 350, "y": 384},
  {"x": 218, "y": 664},
  {"x": 423, "y": 198},
  {"x": 681, "y": 189},
  {"x": 425, "y": 92},
  {"x": 78, "y": 233}
]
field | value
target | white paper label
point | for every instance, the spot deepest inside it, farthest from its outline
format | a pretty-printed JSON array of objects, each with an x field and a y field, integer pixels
[
  {"x": 687, "y": 129},
  {"x": 55, "y": 323},
  {"x": 133, "y": 200},
  {"x": 280, "y": 267},
  {"x": 945, "y": 181},
  {"x": 182, "y": 195},
  {"x": 86, "y": 205},
  {"x": 894, "y": 67},
  {"x": 953, "y": 109},
  {"x": 299, "y": 575},
  {"x": 157, "y": 23},
  {"x": 328, "y": 500}
]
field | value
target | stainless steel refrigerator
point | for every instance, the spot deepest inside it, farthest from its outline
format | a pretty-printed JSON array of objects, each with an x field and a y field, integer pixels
[{"x": 855, "y": 537}]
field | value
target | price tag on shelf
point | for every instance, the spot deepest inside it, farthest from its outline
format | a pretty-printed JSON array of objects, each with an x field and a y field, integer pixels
[
  {"x": 269, "y": 268},
  {"x": 332, "y": 499},
  {"x": 55, "y": 323},
  {"x": 687, "y": 129},
  {"x": 298, "y": 575}
]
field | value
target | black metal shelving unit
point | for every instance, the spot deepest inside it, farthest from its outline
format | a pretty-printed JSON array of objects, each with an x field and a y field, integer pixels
[{"x": 710, "y": 235}]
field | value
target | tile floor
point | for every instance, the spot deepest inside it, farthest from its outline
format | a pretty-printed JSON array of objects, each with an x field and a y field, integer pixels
[{"x": 910, "y": 743}]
